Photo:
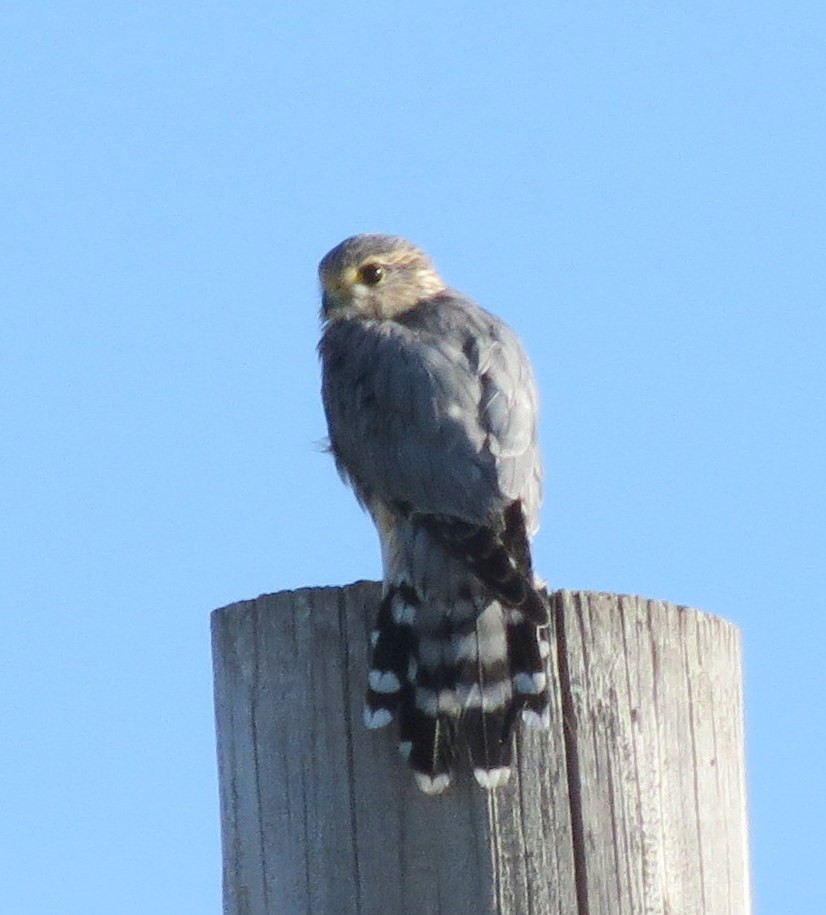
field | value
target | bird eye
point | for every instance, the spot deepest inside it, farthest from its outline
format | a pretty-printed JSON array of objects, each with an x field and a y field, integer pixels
[{"x": 371, "y": 274}]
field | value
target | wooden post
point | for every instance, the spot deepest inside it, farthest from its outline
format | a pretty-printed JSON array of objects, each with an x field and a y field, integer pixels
[{"x": 633, "y": 802}]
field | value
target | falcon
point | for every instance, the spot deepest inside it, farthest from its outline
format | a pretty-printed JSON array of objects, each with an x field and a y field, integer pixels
[{"x": 431, "y": 406}]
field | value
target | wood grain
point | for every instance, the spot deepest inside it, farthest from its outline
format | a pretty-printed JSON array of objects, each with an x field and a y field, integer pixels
[{"x": 633, "y": 802}]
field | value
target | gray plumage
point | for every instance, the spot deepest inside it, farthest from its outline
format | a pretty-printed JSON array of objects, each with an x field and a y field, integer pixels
[
  {"x": 436, "y": 409},
  {"x": 431, "y": 406}
]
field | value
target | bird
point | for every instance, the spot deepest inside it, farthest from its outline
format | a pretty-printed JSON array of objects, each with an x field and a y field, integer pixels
[{"x": 431, "y": 407}]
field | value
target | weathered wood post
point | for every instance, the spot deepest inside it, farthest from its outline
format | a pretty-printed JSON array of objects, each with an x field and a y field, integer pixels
[{"x": 634, "y": 802}]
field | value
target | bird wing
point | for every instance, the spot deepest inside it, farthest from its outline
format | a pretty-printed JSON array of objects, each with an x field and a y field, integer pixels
[{"x": 434, "y": 412}]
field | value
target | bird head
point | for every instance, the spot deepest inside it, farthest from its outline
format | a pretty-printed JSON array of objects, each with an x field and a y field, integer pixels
[{"x": 375, "y": 276}]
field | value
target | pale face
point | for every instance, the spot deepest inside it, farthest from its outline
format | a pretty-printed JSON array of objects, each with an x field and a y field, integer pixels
[{"x": 375, "y": 276}]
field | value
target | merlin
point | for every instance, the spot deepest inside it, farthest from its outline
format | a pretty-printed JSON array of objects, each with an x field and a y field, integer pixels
[{"x": 431, "y": 406}]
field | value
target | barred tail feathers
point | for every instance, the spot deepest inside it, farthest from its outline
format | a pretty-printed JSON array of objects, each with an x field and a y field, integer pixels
[
  {"x": 500, "y": 559},
  {"x": 456, "y": 677}
]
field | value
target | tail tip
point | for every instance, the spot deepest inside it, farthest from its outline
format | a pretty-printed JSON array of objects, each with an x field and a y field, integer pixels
[
  {"x": 432, "y": 784},
  {"x": 538, "y": 720},
  {"x": 492, "y": 778}
]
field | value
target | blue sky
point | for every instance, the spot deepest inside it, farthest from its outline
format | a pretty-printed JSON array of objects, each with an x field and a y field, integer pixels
[{"x": 637, "y": 188}]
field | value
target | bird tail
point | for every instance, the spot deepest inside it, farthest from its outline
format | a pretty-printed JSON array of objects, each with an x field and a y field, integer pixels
[
  {"x": 499, "y": 558},
  {"x": 456, "y": 682}
]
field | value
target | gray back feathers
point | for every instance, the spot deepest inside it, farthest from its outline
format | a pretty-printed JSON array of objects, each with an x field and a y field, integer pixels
[{"x": 436, "y": 410}]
